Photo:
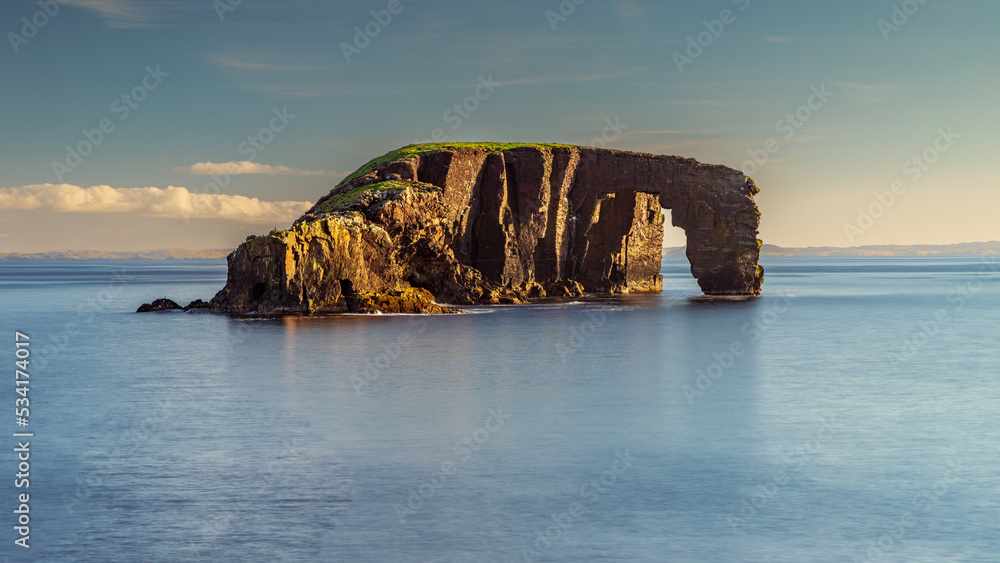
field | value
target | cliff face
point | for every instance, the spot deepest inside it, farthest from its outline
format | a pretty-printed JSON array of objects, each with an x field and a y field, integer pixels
[{"x": 500, "y": 224}]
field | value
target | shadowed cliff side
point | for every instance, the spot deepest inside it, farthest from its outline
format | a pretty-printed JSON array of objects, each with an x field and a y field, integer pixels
[{"x": 491, "y": 223}]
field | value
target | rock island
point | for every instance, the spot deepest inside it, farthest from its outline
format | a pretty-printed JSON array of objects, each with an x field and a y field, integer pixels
[{"x": 489, "y": 223}]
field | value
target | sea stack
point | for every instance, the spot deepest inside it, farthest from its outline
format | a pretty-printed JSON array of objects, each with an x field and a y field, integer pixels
[{"x": 477, "y": 223}]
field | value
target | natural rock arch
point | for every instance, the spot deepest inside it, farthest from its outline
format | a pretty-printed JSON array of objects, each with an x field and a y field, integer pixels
[{"x": 458, "y": 219}]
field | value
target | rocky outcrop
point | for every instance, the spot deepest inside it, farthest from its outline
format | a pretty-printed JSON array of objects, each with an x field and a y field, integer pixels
[
  {"x": 162, "y": 304},
  {"x": 482, "y": 223}
]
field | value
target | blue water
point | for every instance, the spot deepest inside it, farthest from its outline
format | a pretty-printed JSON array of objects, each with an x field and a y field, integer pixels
[{"x": 850, "y": 414}]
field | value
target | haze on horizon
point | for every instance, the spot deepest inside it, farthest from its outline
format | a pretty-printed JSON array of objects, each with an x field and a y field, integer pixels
[{"x": 832, "y": 108}]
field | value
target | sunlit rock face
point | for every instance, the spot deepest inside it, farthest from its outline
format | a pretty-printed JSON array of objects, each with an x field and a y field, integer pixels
[{"x": 488, "y": 223}]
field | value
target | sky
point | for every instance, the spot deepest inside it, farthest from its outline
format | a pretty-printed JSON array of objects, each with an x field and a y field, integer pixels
[{"x": 862, "y": 121}]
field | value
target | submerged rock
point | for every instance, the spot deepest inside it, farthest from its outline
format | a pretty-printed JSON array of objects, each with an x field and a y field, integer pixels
[
  {"x": 163, "y": 304},
  {"x": 486, "y": 223},
  {"x": 197, "y": 304}
]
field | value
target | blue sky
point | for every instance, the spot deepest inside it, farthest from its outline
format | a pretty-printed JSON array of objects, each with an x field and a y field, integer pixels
[{"x": 218, "y": 80}]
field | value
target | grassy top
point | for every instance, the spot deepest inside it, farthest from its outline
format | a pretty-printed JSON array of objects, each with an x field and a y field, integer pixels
[
  {"x": 310, "y": 229},
  {"x": 343, "y": 199},
  {"x": 410, "y": 151}
]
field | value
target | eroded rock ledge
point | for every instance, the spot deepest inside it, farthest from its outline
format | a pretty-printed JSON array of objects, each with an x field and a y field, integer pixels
[{"x": 486, "y": 223}]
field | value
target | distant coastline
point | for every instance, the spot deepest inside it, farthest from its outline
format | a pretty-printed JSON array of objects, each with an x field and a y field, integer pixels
[
  {"x": 171, "y": 254},
  {"x": 963, "y": 249},
  {"x": 768, "y": 250}
]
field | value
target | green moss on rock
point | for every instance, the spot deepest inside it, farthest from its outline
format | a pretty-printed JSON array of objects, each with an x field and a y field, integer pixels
[{"x": 339, "y": 201}]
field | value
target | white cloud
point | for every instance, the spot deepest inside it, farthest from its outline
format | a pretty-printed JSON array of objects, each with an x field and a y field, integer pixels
[
  {"x": 261, "y": 62},
  {"x": 141, "y": 13},
  {"x": 868, "y": 92},
  {"x": 631, "y": 13},
  {"x": 247, "y": 167},
  {"x": 710, "y": 103},
  {"x": 554, "y": 80},
  {"x": 174, "y": 202},
  {"x": 118, "y": 13}
]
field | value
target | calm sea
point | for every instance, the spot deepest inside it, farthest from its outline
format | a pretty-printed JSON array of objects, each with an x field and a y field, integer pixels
[{"x": 850, "y": 414}]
